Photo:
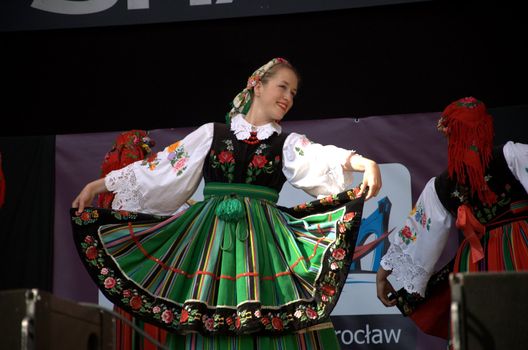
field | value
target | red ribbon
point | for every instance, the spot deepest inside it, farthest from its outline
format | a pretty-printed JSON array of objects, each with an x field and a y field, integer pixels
[{"x": 473, "y": 231}]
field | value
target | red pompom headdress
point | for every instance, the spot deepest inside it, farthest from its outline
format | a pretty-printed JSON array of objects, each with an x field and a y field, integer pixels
[{"x": 469, "y": 129}]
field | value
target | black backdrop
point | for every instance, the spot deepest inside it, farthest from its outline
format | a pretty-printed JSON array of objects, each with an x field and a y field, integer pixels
[{"x": 381, "y": 60}]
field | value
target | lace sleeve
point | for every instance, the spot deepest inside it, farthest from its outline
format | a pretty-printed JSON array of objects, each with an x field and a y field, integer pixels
[
  {"x": 163, "y": 184},
  {"x": 417, "y": 246},
  {"x": 125, "y": 184}
]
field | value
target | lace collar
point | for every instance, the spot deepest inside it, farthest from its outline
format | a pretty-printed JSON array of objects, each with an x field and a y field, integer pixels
[{"x": 242, "y": 128}]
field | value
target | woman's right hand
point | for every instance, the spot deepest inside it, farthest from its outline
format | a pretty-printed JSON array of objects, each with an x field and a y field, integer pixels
[
  {"x": 384, "y": 287},
  {"x": 87, "y": 195}
]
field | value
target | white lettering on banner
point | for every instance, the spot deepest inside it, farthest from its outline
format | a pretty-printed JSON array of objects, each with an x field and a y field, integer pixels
[
  {"x": 138, "y": 4},
  {"x": 368, "y": 336},
  {"x": 69, "y": 7}
]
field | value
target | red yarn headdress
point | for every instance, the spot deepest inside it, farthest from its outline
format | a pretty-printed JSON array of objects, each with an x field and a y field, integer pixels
[{"x": 469, "y": 129}]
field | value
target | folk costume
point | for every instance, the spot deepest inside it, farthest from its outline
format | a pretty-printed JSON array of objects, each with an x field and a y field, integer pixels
[
  {"x": 234, "y": 271},
  {"x": 484, "y": 193}
]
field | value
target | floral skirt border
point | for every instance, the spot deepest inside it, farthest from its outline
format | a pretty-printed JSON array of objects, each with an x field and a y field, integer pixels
[{"x": 195, "y": 316}]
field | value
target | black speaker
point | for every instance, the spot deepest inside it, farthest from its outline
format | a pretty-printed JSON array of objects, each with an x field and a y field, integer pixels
[
  {"x": 31, "y": 319},
  {"x": 489, "y": 311}
]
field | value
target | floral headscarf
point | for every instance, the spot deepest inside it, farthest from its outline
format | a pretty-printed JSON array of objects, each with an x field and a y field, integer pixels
[
  {"x": 242, "y": 101},
  {"x": 469, "y": 128}
]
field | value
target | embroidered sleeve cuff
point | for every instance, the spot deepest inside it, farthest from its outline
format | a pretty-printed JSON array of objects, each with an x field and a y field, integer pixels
[
  {"x": 412, "y": 277},
  {"x": 123, "y": 183}
]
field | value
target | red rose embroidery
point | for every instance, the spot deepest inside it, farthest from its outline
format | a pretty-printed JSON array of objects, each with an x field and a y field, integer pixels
[
  {"x": 184, "y": 316},
  {"x": 135, "y": 302},
  {"x": 91, "y": 253},
  {"x": 109, "y": 282},
  {"x": 226, "y": 157},
  {"x": 349, "y": 216},
  {"x": 328, "y": 290},
  {"x": 277, "y": 323},
  {"x": 259, "y": 161},
  {"x": 406, "y": 232},
  {"x": 311, "y": 313},
  {"x": 339, "y": 254},
  {"x": 167, "y": 316}
]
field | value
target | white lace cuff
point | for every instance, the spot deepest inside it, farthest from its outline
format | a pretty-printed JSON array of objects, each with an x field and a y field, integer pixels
[
  {"x": 413, "y": 278},
  {"x": 124, "y": 184}
]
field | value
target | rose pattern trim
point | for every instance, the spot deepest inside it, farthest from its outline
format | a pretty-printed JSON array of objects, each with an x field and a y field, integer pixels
[
  {"x": 88, "y": 216},
  {"x": 251, "y": 318},
  {"x": 124, "y": 215}
]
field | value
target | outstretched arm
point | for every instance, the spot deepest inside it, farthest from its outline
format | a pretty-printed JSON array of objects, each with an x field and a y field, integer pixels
[
  {"x": 321, "y": 170},
  {"x": 371, "y": 174},
  {"x": 88, "y": 193}
]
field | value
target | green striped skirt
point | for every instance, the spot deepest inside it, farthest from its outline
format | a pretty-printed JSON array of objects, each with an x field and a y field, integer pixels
[{"x": 234, "y": 268}]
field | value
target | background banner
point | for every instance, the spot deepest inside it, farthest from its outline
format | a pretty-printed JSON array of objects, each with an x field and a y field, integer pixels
[
  {"x": 409, "y": 150},
  {"x": 53, "y": 14}
]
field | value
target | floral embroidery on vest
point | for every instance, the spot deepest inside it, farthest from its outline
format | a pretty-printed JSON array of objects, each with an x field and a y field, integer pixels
[
  {"x": 260, "y": 163},
  {"x": 224, "y": 160},
  {"x": 484, "y": 213}
]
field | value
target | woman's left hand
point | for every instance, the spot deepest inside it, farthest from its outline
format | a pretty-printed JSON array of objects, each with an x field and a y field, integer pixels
[{"x": 371, "y": 179}]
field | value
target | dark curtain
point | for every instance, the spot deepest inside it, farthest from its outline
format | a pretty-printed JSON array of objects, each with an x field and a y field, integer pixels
[
  {"x": 26, "y": 219},
  {"x": 511, "y": 123}
]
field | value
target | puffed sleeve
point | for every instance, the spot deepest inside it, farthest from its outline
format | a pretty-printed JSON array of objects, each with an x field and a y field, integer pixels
[
  {"x": 161, "y": 185},
  {"x": 314, "y": 168},
  {"x": 417, "y": 246},
  {"x": 516, "y": 155}
]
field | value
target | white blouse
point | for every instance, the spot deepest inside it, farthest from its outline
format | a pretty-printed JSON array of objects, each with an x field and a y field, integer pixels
[
  {"x": 416, "y": 248},
  {"x": 163, "y": 185}
]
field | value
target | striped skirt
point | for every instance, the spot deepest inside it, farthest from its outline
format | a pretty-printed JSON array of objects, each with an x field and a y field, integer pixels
[{"x": 267, "y": 277}]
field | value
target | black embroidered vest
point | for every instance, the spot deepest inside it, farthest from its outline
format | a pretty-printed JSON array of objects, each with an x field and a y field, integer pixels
[
  {"x": 501, "y": 182},
  {"x": 234, "y": 161}
]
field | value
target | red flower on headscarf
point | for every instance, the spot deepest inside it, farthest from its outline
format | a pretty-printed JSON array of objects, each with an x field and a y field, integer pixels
[{"x": 253, "y": 81}]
